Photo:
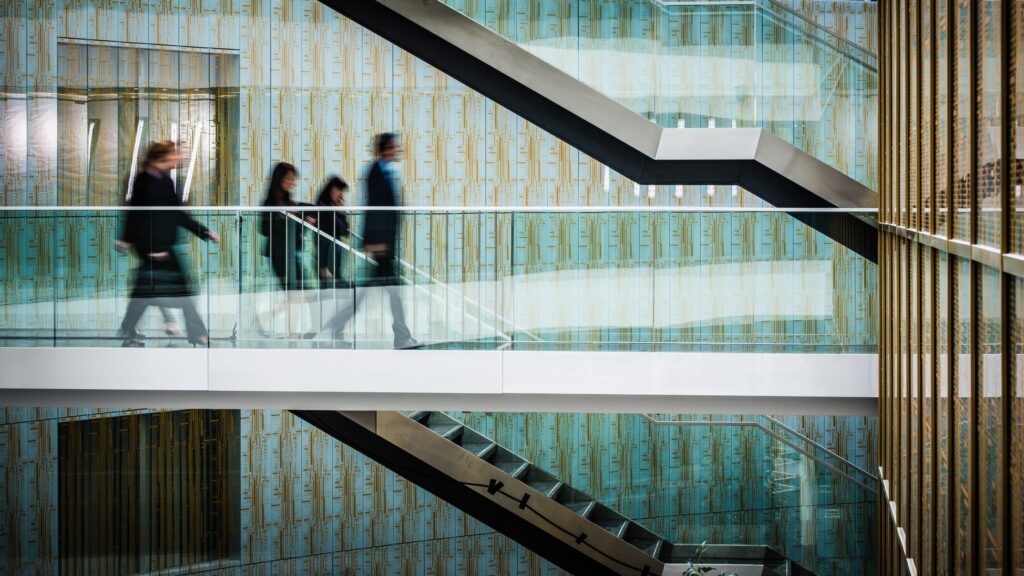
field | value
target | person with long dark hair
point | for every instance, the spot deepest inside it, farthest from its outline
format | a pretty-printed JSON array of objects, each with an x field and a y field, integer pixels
[
  {"x": 284, "y": 234},
  {"x": 152, "y": 235},
  {"x": 333, "y": 227},
  {"x": 283, "y": 230}
]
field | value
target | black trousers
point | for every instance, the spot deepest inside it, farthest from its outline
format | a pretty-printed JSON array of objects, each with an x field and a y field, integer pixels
[{"x": 194, "y": 326}]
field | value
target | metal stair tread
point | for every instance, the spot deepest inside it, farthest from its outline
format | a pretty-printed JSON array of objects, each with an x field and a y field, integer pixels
[
  {"x": 445, "y": 430},
  {"x": 479, "y": 449},
  {"x": 547, "y": 487},
  {"x": 615, "y": 526}
]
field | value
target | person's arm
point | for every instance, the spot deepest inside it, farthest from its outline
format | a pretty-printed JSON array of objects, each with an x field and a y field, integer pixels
[{"x": 192, "y": 225}]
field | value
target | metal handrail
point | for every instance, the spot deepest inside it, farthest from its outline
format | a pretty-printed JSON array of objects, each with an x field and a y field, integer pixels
[
  {"x": 821, "y": 447},
  {"x": 458, "y": 294},
  {"x": 744, "y": 423},
  {"x": 452, "y": 209},
  {"x": 863, "y": 54}
]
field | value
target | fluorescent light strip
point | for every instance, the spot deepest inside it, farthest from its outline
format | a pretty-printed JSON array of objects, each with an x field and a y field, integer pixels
[
  {"x": 681, "y": 123},
  {"x": 174, "y": 138},
  {"x": 192, "y": 163},
  {"x": 135, "y": 159}
]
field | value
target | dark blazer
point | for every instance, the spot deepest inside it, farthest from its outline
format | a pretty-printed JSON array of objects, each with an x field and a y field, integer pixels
[
  {"x": 284, "y": 234},
  {"x": 156, "y": 231},
  {"x": 150, "y": 232},
  {"x": 380, "y": 227},
  {"x": 333, "y": 225}
]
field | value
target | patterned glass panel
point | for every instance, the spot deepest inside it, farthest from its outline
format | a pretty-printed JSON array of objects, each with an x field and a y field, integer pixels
[
  {"x": 904, "y": 386},
  {"x": 963, "y": 422},
  {"x": 927, "y": 530},
  {"x": 927, "y": 124},
  {"x": 1016, "y": 126},
  {"x": 962, "y": 120},
  {"x": 989, "y": 136},
  {"x": 990, "y": 414},
  {"x": 942, "y": 104},
  {"x": 913, "y": 75},
  {"x": 914, "y": 433},
  {"x": 943, "y": 433},
  {"x": 1017, "y": 431}
]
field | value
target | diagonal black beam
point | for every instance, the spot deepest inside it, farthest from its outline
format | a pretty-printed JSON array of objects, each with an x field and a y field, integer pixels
[{"x": 752, "y": 158}]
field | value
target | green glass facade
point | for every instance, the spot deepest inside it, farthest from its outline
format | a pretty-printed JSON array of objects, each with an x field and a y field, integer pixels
[{"x": 261, "y": 491}]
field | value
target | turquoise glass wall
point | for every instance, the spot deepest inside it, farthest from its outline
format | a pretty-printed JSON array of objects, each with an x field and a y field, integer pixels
[
  {"x": 709, "y": 65},
  {"x": 303, "y": 84},
  {"x": 563, "y": 280},
  {"x": 310, "y": 505},
  {"x": 244, "y": 85}
]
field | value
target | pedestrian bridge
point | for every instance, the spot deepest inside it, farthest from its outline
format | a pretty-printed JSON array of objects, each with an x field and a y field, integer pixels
[{"x": 529, "y": 310}]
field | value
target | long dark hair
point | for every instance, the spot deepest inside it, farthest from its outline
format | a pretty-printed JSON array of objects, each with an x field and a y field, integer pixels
[
  {"x": 324, "y": 199},
  {"x": 276, "y": 195}
]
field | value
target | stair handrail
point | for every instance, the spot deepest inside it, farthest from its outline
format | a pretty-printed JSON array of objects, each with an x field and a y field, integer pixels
[
  {"x": 871, "y": 480},
  {"x": 430, "y": 278},
  {"x": 862, "y": 54}
]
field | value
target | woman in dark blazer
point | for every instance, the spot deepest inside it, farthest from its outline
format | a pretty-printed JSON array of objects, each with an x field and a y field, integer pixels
[
  {"x": 153, "y": 235},
  {"x": 284, "y": 235},
  {"x": 332, "y": 226}
]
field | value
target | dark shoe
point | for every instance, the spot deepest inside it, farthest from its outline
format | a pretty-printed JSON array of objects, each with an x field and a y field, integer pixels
[
  {"x": 203, "y": 341},
  {"x": 408, "y": 344},
  {"x": 132, "y": 334},
  {"x": 133, "y": 343}
]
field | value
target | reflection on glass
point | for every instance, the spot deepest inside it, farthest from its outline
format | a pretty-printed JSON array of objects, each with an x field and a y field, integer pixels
[
  {"x": 1017, "y": 414},
  {"x": 990, "y": 411},
  {"x": 927, "y": 132},
  {"x": 962, "y": 119},
  {"x": 963, "y": 421},
  {"x": 942, "y": 111},
  {"x": 914, "y": 432},
  {"x": 678, "y": 280},
  {"x": 114, "y": 98},
  {"x": 742, "y": 65},
  {"x": 927, "y": 407},
  {"x": 944, "y": 433},
  {"x": 989, "y": 117},
  {"x": 1016, "y": 127},
  {"x": 722, "y": 479}
]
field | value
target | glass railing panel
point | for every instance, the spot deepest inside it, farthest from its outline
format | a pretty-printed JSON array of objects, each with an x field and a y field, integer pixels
[
  {"x": 690, "y": 479},
  {"x": 571, "y": 279},
  {"x": 710, "y": 65},
  {"x": 28, "y": 278}
]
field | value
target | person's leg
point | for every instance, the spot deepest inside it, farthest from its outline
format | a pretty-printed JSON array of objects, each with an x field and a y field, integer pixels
[
  {"x": 399, "y": 327},
  {"x": 136, "y": 308},
  {"x": 194, "y": 326},
  {"x": 337, "y": 323},
  {"x": 170, "y": 322},
  {"x": 389, "y": 279}
]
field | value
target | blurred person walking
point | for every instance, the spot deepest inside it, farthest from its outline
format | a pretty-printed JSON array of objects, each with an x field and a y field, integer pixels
[
  {"x": 381, "y": 238},
  {"x": 333, "y": 227},
  {"x": 283, "y": 230},
  {"x": 152, "y": 235}
]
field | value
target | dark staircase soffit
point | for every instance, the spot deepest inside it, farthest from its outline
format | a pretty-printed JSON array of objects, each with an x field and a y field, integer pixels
[
  {"x": 522, "y": 501},
  {"x": 767, "y": 166},
  {"x": 541, "y": 537}
]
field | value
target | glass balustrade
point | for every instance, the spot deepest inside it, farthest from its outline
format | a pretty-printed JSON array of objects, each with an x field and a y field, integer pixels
[
  {"x": 520, "y": 279},
  {"x": 735, "y": 64},
  {"x": 727, "y": 480}
]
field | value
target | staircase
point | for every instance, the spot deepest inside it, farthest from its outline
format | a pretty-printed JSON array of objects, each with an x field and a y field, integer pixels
[
  {"x": 527, "y": 503},
  {"x": 632, "y": 145}
]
